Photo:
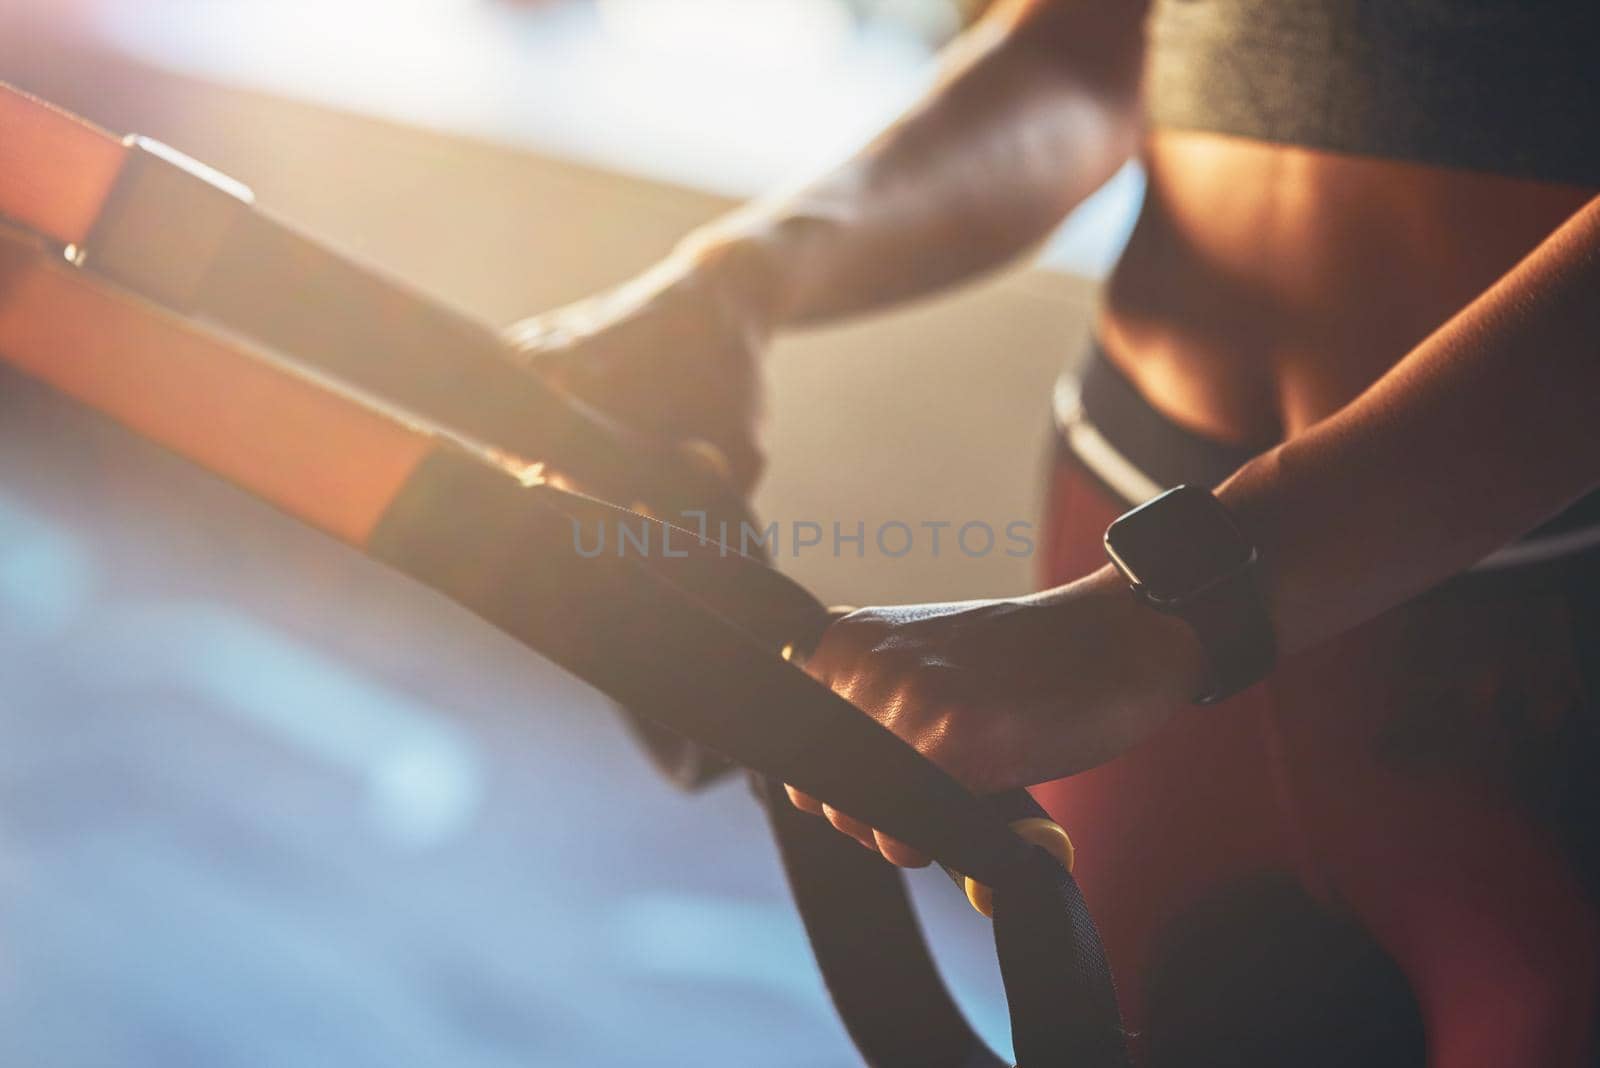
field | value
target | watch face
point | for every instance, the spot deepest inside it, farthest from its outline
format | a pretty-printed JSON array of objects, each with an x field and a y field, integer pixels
[{"x": 1177, "y": 544}]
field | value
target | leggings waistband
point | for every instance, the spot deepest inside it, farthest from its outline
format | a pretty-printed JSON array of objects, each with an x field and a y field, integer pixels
[
  {"x": 1137, "y": 452},
  {"x": 1165, "y": 452}
]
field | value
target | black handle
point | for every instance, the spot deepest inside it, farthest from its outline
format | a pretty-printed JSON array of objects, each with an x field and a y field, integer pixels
[{"x": 1029, "y": 821}]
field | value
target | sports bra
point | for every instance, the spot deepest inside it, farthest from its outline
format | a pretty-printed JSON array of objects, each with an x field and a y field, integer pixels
[{"x": 1506, "y": 86}]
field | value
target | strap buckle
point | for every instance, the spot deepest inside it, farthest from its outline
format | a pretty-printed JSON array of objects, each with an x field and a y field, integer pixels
[{"x": 163, "y": 225}]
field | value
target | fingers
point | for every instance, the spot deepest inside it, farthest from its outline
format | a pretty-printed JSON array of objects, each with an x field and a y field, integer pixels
[
  {"x": 804, "y": 802},
  {"x": 541, "y": 345},
  {"x": 897, "y": 852},
  {"x": 849, "y": 825},
  {"x": 739, "y": 460},
  {"x": 892, "y": 849}
]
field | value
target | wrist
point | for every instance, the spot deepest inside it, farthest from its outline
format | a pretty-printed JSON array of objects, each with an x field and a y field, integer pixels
[
  {"x": 759, "y": 262},
  {"x": 1252, "y": 496},
  {"x": 1162, "y": 659}
]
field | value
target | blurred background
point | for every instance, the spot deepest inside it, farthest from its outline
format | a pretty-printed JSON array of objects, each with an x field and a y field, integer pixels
[{"x": 262, "y": 803}]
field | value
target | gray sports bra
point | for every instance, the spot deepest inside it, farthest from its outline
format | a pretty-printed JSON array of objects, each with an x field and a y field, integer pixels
[{"x": 1506, "y": 86}]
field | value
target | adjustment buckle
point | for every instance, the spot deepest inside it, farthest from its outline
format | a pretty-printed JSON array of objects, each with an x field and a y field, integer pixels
[{"x": 163, "y": 225}]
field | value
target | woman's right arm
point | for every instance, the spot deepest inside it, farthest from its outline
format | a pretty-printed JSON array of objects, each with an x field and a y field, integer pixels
[{"x": 1037, "y": 107}]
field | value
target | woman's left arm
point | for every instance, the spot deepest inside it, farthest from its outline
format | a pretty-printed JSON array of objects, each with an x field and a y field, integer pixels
[
  {"x": 1484, "y": 430},
  {"x": 1487, "y": 428}
]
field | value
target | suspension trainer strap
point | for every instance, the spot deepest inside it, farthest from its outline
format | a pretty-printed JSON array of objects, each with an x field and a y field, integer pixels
[
  {"x": 883, "y": 982},
  {"x": 177, "y": 232},
  {"x": 166, "y": 228},
  {"x": 324, "y": 458}
]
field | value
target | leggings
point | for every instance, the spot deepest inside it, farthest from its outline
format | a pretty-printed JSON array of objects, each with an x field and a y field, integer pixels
[{"x": 1382, "y": 855}]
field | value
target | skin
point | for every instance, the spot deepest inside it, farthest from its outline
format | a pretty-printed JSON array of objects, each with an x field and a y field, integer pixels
[{"x": 1419, "y": 340}]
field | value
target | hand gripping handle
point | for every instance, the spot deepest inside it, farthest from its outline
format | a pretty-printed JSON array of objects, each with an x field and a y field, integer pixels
[{"x": 1026, "y": 818}]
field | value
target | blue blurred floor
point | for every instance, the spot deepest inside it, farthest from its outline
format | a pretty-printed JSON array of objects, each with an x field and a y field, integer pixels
[{"x": 263, "y": 803}]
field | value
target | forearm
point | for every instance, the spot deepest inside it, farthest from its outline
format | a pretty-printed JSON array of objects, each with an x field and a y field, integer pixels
[
  {"x": 1037, "y": 108},
  {"x": 1483, "y": 431}
]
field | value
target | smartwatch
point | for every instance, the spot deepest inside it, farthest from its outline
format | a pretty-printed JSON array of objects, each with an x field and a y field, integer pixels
[{"x": 1183, "y": 555}]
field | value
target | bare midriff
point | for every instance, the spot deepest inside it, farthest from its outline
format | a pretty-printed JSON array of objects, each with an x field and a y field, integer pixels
[{"x": 1265, "y": 286}]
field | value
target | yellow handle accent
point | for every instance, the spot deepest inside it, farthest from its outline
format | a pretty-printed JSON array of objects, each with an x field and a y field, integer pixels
[{"x": 1047, "y": 834}]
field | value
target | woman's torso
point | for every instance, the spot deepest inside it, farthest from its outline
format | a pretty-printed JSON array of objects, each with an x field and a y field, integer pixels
[
  {"x": 1265, "y": 286},
  {"x": 1268, "y": 284}
]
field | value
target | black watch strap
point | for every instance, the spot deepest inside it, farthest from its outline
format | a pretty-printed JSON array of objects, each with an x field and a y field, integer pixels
[{"x": 1231, "y": 621}]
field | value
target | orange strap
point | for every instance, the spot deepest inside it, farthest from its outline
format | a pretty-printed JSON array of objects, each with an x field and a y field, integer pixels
[
  {"x": 153, "y": 221},
  {"x": 158, "y": 231},
  {"x": 56, "y": 170},
  {"x": 319, "y": 455}
]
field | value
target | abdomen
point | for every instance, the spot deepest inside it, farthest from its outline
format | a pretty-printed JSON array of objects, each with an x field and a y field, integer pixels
[{"x": 1265, "y": 286}]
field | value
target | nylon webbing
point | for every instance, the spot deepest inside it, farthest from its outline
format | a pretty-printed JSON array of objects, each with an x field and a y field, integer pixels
[
  {"x": 179, "y": 234},
  {"x": 75, "y": 184}
]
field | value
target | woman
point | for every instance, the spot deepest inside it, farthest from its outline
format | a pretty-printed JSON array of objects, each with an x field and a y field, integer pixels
[{"x": 1363, "y": 301}]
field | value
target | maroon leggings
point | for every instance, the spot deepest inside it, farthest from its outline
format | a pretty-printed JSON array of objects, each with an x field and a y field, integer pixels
[{"x": 1422, "y": 778}]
